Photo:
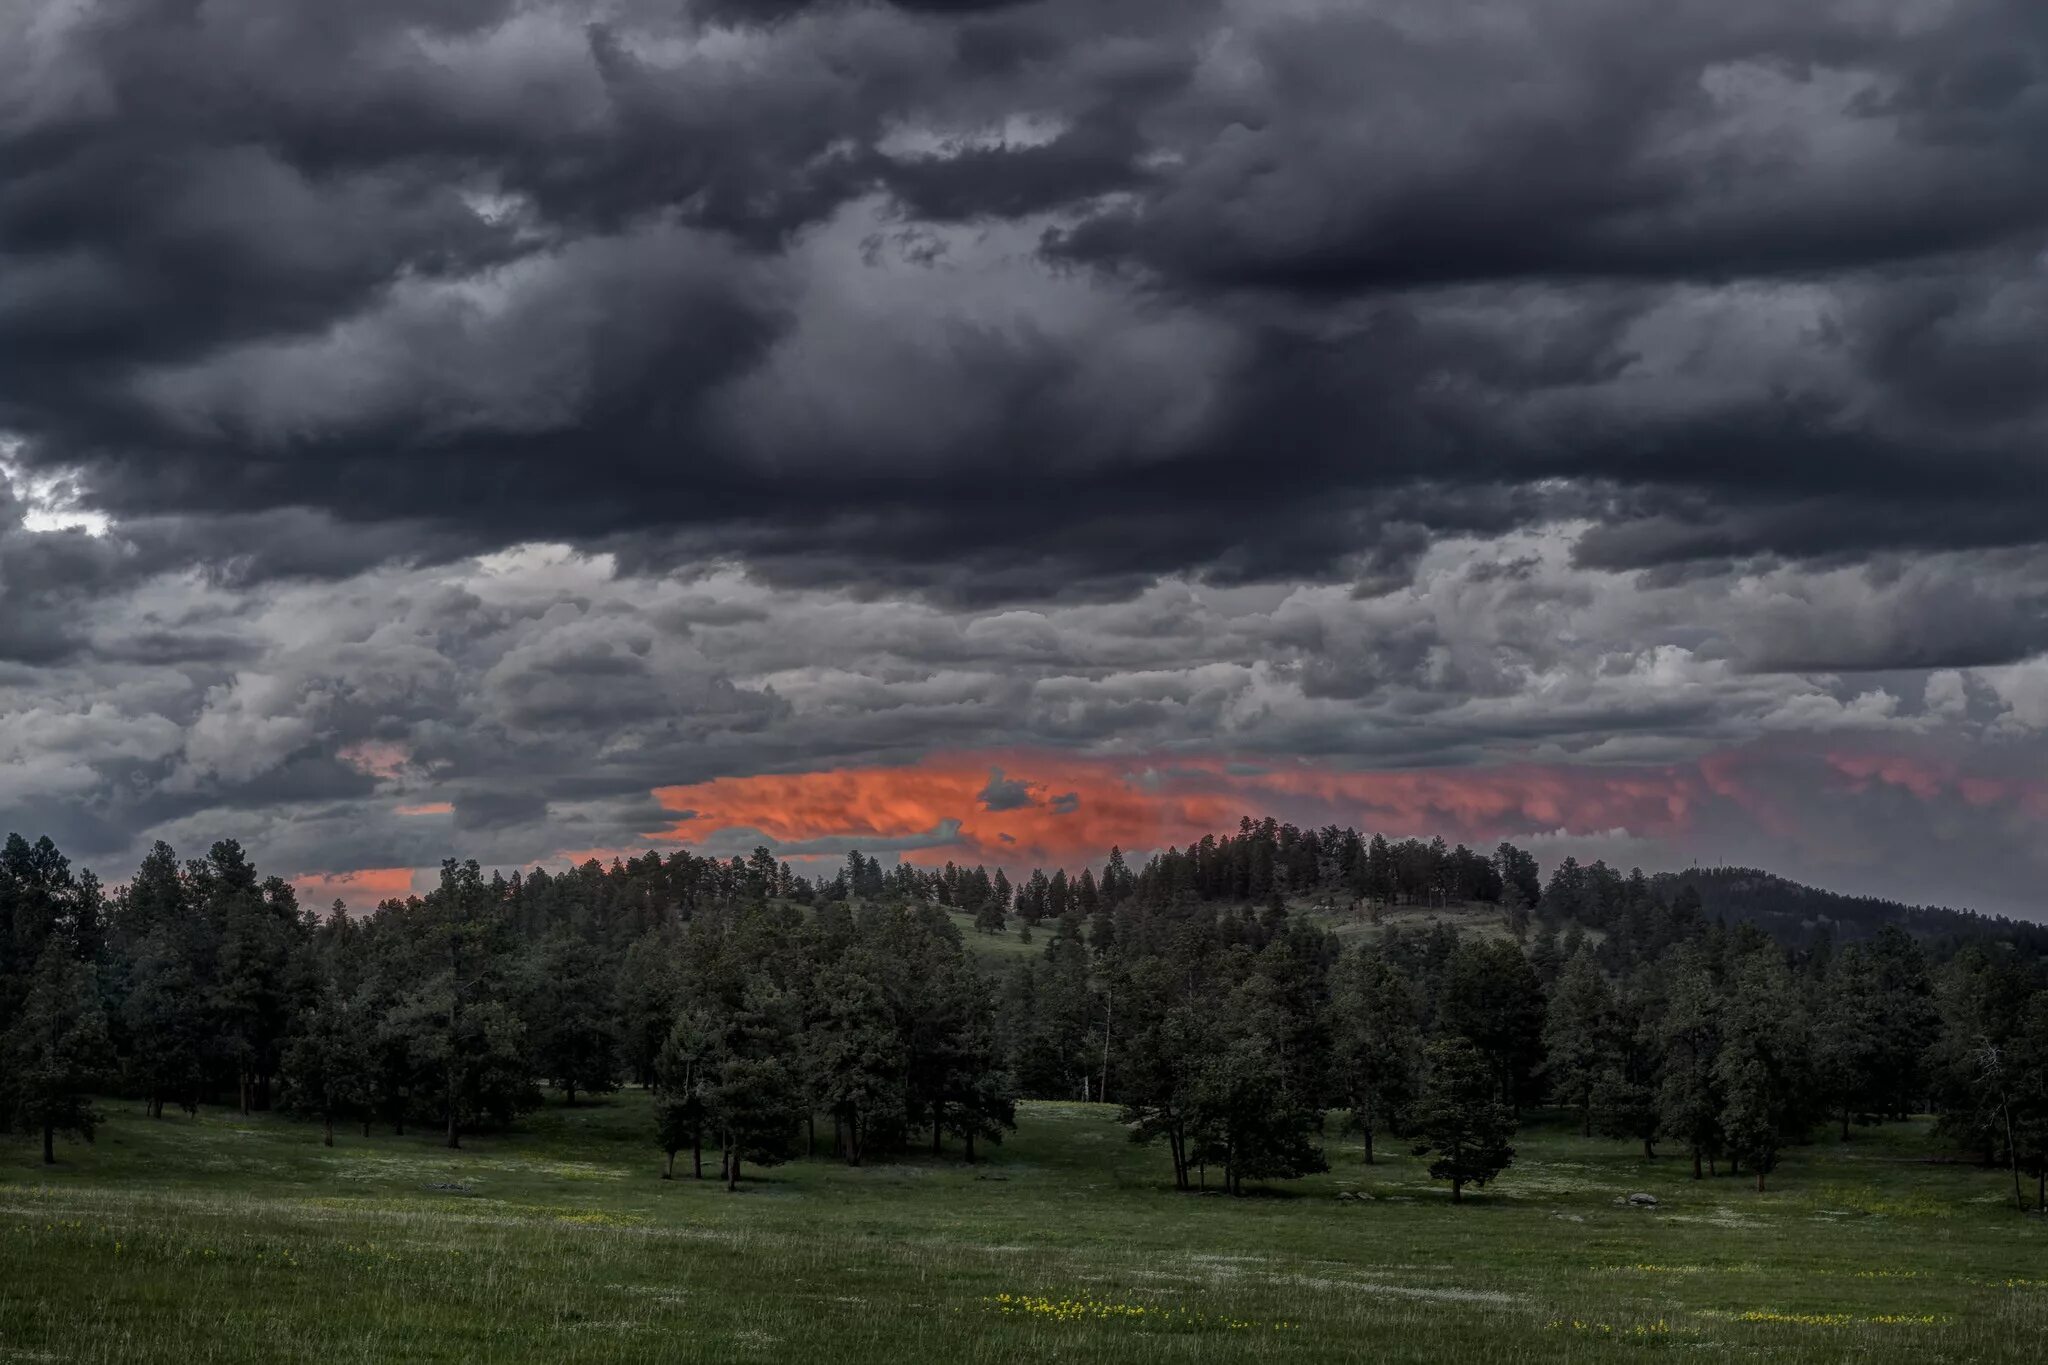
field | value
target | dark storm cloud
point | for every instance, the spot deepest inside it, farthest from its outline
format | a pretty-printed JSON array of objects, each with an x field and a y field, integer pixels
[
  {"x": 1001, "y": 794},
  {"x": 484, "y": 272},
  {"x": 1404, "y": 383},
  {"x": 485, "y": 810}
]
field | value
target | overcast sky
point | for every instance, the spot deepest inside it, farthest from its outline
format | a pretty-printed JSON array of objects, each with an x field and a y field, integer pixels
[{"x": 981, "y": 430}]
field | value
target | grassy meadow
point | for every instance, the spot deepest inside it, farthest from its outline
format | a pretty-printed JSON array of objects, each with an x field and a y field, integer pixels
[{"x": 243, "y": 1239}]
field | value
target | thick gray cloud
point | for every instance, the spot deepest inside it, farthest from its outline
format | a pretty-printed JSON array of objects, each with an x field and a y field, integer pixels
[
  {"x": 1034, "y": 297},
  {"x": 472, "y": 415}
]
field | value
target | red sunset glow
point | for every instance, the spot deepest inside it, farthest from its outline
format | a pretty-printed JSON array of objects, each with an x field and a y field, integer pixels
[
  {"x": 365, "y": 886},
  {"x": 1078, "y": 806}
]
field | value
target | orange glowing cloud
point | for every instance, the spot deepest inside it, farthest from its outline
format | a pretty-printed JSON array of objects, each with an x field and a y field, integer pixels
[
  {"x": 361, "y": 889},
  {"x": 1023, "y": 807},
  {"x": 427, "y": 808},
  {"x": 375, "y": 757}
]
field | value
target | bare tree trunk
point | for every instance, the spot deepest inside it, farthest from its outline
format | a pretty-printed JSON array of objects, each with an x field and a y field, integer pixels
[
  {"x": 1457, "y": 1191},
  {"x": 327, "y": 1138},
  {"x": 668, "y": 1172},
  {"x": 1108, "y": 1018},
  {"x": 2012, "y": 1153},
  {"x": 1696, "y": 1163}
]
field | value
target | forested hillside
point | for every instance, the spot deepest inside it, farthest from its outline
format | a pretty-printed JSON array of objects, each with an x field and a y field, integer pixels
[
  {"x": 1805, "y": 914},
  {"x": 1214, "y": 993}
]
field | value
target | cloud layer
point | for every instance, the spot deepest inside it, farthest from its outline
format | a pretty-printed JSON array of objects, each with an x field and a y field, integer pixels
[{"x": 468, "y": 424}]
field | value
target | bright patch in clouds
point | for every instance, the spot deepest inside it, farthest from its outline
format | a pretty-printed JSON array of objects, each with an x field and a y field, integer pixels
[
  {"x": 360, "y": 889},
  {"x": 46, "y": 503}
]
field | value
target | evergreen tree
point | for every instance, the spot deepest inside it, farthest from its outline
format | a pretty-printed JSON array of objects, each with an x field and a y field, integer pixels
[
  {"x": 1847, "y": 1041},
  {"x": 1460, "y": 1120},
  {"x": 752, "y": 1098},
  {"x": 1490, "y": 996},
  {"x": 1763, "y": 1066},
  {"x": 1248, "y": 1115},
  {"x": 682, "y": 1073},
  {"x": 571, "y": 1030},
  {"x": 980, "y": 1101},
  {"x": 1165, "y": 1041},
  {"x": 465, "y": 1042},
  {"x": 58, "y": 1050},
  {"x": 166, "y": 1018},
  {"x": 328, "y": 1069},
  {"x": 1909, "y": 1021},
  {"x": 1689, "y": 1096},
  {"x": 1625, "y": 1099},
  {"x": 1378, "y": 1045},
  {"x": 644, "y": 1001},
  {"x": 757, "y": 1107},
  {"x": 257, "y": 929},
  {"x": 1578, "y": 1037}
]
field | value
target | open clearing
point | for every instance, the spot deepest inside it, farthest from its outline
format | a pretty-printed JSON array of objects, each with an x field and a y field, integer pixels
[{"x": 232, "y": 1239}]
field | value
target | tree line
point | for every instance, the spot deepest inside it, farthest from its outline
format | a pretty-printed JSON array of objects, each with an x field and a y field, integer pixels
[{"x": 1229, "y": 998}]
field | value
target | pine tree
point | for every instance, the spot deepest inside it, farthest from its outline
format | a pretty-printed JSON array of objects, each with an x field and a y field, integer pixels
[
  {"x": 1689, "y": 1096},
  {"x": 1625, "y": 1098},
  {"x": 1847, "y": 1038},
  {"x": 644, "y": 1001},
  {"x": 856, "y": 1054},
  {"x": 682, "y": 1073},
  {"x": 1248, "y": 1112},
  {"x": 166, "y": 1018},
  {"x": 980, "y": 1099},
  {"x": 1763, "y": 1068},
  {"x": 1578, "y": 1036},
  {"x": 58, "y": 1049},
  {"x": 1460, "y": 1120},
  {"x": 752, "y": 1098},
  {"x": 328, "y": 1070},
  {"x": 1378, "y": 1044},
  {"x": 571, "y": 1030},
  {"x": 465, "y": 1043},
  {"x": 757, "y": 1107},
  {"x": 1490, "y": 996}
]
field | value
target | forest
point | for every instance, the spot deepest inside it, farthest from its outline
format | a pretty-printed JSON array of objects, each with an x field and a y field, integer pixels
[{"x": 1257, "y": 1006}]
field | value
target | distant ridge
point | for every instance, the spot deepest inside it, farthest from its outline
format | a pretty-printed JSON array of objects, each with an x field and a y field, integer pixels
[{"x": 1795, "y": 913}]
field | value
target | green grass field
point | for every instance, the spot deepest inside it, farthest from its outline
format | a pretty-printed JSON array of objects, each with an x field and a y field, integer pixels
[{"x": 246, "y": 1240}]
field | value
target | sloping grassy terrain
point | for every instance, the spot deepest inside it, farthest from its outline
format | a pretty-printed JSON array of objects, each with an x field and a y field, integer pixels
[{"x": 231, "y": 1239}]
